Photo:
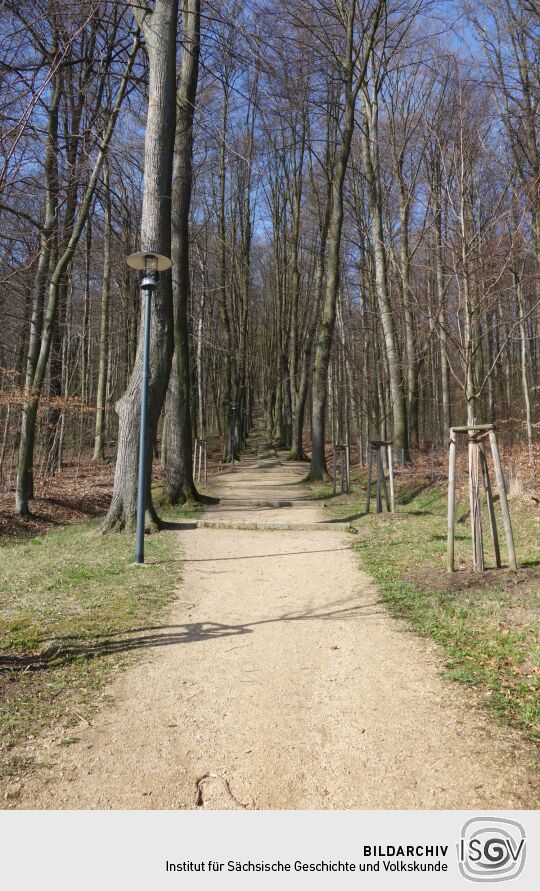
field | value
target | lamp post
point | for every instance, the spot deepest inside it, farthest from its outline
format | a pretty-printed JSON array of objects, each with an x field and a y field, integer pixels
[{"x": 149, "y": 265}]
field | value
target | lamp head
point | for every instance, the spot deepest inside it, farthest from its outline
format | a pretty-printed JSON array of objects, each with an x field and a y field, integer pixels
[{"x": 150, "y": 265}]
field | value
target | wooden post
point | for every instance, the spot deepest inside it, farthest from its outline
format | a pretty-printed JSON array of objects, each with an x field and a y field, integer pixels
[
  {"x": 476, "y": 515},
  {"x": 195, "y": 457},
  {"x": 379, "y": 480},
  {"x": 382, "y": 450},
  {"x": 333, "y": 468},
  {"x": 368, "y": 496},
  {"x": 205, "y": 461},
  {"x": 200, "y": 461},
  {"x": 391, "y": 477},
  {"x": 503, "y": 500},
  {"x": 451, "y": 500},
  {"x": 348, "y": 466},
  {"x": 490, "y": 506}
]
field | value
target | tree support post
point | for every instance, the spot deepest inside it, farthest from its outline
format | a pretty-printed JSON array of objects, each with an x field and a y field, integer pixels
[
  {"x": 201, "y": 446},
  {"x": 490, "y": 506},
  {"x": 379, "y": 481},
  {"x": 476, "y": 514},
  {"x": 507, "y": 523},
  {"x": 451, "y": 500},
  {"x": 391, "y": 478},
  {"x": 368, "y": 494}
]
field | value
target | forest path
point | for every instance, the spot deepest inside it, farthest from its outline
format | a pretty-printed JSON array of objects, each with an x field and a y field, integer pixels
[{"x": 282, "y": 682}]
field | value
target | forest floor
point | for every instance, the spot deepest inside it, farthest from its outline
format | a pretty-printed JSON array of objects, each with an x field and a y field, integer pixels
[
  {"x": 279, "y": 679},
  {"x": 80, "y": 492}
]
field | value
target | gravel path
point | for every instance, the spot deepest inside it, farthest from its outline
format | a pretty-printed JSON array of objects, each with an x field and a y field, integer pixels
[{"x": 282, "y": 682}]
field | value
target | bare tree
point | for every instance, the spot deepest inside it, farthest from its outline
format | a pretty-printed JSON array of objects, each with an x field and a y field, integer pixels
[{"x": 159, "y": 26}]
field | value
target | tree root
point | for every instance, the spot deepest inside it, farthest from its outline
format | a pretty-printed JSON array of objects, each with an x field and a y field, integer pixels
[
  {"x": 298, "y": 456},
  {"x": 199, "y": 798}
]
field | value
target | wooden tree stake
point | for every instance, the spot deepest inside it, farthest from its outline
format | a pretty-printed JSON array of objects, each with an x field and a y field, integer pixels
[
  {"x": 368, "y": 495},
  {"x": 391, "y": 477},
  {"x": 476, "y": 513},
  {"x": 379, "y": 479},
  {"x": 507, "y": 523},
  {"x": 490, "y": 506},
  {"x": 451, "y": 500}
]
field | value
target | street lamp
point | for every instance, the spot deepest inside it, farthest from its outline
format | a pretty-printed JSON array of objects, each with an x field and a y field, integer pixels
[{"x": 149, "y": 265}]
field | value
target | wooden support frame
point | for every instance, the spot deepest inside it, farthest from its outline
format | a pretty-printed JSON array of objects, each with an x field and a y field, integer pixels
[
  {"x": 380, "y": 446},
  {"x": 477, "y": 434},
  {"x": 200, "y": 460},
  {"x": 341, "y": 451}
]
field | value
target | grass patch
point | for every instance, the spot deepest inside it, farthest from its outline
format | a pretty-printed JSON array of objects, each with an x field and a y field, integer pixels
[
  {"x": 68, "y": 601},
  {"x": 488, "y": 623}
]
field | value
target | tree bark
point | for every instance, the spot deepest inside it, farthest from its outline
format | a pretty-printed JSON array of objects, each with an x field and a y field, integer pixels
[
  {"x": 99, "y": 452},
  {"x": 318, "y": 469},
  {"x": 179, "y": 484},
  {"x": 159, "y": 29},
  {"x": 371, "y": 162}
]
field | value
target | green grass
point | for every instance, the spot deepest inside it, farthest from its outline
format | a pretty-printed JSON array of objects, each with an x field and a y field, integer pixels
[
  {"x": 488, "y": 624},
  {"x": 68, "y": 599}
]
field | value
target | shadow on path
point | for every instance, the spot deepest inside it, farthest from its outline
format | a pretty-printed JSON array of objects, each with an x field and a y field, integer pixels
[{"x": 62, "y": 651}]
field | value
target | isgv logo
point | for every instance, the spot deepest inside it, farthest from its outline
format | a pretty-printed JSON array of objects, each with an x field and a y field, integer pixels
[{"x": 491, "y": 849}]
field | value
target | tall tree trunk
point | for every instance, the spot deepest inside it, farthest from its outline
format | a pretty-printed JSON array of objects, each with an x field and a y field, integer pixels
[
  {"x": 524, "y": 375},
  {"x": 179, "y": 484},
  {"x": 441, "y": 302},
  {"x": 297, "y": 449},
  {"x": 99, "y": 452},
  {"x": 318, "y": 469},
  {"x": 246, "y": 235},
  {"x": 226, "y": 395},
  {"x": 371, "y": 162},
  {"x": 159, "y": 28},
  {"x": 25, "y": 481},
  {"x": 410, "y": 346},
  {"x": 33, "y": 391}
]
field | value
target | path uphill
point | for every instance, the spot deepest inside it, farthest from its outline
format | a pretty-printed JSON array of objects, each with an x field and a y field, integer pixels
[{"x": 280, "y": 681}]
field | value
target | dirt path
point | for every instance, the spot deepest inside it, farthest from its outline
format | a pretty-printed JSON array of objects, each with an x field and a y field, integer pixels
[{"x": 281, "y": 682}]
